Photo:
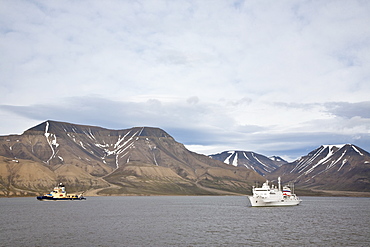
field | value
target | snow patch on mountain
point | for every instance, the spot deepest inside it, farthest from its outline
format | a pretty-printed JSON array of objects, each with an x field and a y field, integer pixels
[
  {"x": 357, "y": 150},
  {"x": 256, "y": 162},
  {"x": 254, "y": 156},
  {"x": 343, "y": 163},
  {"x": 327, "y": 158},
  {"x": 227, "y": 160},
  {"x": 52, "y": 141},
  {"x": 235, "y": 160}
]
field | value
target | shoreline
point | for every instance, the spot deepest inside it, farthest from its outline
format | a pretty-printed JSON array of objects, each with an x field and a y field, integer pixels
[
  {"x": 316, "y": 193},
  {"x": 332, "y": 193}
]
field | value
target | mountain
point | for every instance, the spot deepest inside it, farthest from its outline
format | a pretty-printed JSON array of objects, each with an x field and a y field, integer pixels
[
  {"x": 256, "y": 162},
  {"x": 329, "y": 167},
  {"x": 139, "y": 160},
  {"x": 280, "y": 161}
]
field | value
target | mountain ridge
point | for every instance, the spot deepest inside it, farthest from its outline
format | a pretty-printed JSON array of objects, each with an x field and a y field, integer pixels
[
  {"x": 251, "y": 160},
  {"x": 147, "y": 160},
  {"x": 114, "y": 162},
  {"x": 329, "y": 167}
]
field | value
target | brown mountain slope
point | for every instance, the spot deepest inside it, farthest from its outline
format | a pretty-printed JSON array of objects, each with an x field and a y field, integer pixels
[{"x": 139, "y": 160}]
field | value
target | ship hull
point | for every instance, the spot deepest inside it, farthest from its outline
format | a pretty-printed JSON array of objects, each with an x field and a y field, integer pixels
[
  {"x": 46, "y": 198},
  {"x": 259, "y": 202}
]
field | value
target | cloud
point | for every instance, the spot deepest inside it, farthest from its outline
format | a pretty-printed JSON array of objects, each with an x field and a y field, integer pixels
[
  {"x": 227, "y": 74},
  {"x": 206, "y": 127},
  {"x": 193, "y": 100},
  {"x": 115, "y": 114},
  {"x": 349, "y": 110}
]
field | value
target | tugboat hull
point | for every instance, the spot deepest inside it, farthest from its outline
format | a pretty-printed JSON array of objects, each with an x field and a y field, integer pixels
[{"x": 46, "y": 198}]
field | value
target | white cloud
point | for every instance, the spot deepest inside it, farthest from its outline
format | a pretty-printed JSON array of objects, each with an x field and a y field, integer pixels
[{"x": 217, "y": 67}]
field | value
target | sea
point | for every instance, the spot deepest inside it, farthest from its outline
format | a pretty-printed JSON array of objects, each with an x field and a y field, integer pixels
[{"x": 183, "y": 221}]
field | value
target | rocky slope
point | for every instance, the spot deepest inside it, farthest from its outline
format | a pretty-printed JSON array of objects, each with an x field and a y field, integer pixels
[
  {"x": 140, "y": 160},
  {"x": 329, "y": 167}
]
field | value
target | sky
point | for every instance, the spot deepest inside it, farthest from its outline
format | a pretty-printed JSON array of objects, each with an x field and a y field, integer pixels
[{"x": 273, "y": 77}]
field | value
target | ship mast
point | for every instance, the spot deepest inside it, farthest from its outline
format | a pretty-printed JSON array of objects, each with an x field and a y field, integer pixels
[{"x": 279, "y": 183}]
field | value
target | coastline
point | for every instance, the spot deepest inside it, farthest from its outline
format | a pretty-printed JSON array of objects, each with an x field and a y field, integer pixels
[
  {"x": 332, "y": 193},
  {"x": 319, "y": 193}
]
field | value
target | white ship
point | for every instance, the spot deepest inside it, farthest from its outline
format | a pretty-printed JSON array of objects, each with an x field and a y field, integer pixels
[{"x": 268, "y": 197}]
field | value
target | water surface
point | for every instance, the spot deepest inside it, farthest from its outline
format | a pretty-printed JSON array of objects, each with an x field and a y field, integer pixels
[{"x": 183, "y": 221}]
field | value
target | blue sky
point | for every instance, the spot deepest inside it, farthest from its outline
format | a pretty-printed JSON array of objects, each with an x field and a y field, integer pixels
[{"x": 273, "y": 77}]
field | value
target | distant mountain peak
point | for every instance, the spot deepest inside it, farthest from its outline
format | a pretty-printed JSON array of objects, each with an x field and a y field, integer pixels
[
  {"x": 339, "y": 167},
  {"x": 333, "y": 149},
  {"x": 339, "y": 146},
  {"x": 277, "y": 158},
  {"x": 251, "y": 160}
]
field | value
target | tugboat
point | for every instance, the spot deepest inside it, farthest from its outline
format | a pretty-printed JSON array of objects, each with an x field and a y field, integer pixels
[
  {"x": 59, "y": 194},
  {"x": 268, "y": 197}
]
